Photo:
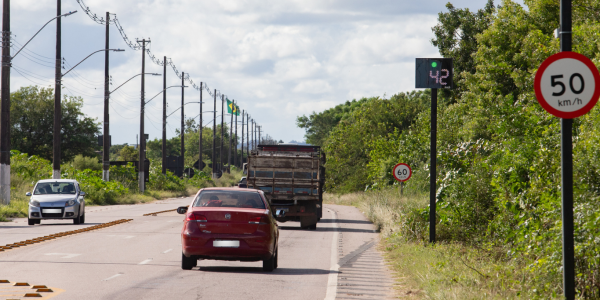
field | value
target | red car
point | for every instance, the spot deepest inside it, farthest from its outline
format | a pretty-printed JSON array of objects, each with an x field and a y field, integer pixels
[{"x": 229, "y": 224}]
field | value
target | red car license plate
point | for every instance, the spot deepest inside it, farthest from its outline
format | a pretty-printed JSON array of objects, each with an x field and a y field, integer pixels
[{"x": 226, "y": 244}]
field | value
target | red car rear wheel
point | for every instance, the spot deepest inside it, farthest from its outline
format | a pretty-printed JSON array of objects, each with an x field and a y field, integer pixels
[
  {"x": 187, "y": 263},
  {"x": 270, "y": 264}
]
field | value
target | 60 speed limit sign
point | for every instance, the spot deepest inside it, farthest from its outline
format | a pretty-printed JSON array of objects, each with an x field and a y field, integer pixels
[
  {"x": 402, "y": 172},
  {"x": 567, "y": 85}
]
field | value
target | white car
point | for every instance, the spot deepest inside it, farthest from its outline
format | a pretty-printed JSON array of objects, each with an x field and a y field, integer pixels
[{"x": 56, "y": 199}]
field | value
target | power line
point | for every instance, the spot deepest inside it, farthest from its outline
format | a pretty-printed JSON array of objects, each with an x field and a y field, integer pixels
[
  {"x": 116, "y": 111},
  {"x": 92, "y": 82},
  {"x": 26, "y": 77},
  {"x": 37, "y": 76},
  {"x": 80, "y": 92},
  {"x": 135, "y": 46},
  {"x": 51, "y": 59},
  {"x": 33, "y": 61}
]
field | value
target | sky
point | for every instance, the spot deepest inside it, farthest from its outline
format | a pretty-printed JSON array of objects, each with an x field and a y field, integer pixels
[{"x": 278, "y": 59}]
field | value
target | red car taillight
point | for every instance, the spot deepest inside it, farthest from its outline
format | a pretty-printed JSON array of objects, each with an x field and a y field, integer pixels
[
  {"x": 195, "y": 217},
  {"x": 258, "y": 220}
]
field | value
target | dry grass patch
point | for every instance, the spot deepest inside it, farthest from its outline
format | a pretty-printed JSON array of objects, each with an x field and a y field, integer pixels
[{"x": 440, "y": 271}]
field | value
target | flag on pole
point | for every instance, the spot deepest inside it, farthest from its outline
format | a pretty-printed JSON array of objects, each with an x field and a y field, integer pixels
[{"x": 230, "y": 107}]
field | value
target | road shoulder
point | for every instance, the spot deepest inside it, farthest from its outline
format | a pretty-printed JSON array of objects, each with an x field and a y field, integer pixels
[{"x": 363, "y": 273}]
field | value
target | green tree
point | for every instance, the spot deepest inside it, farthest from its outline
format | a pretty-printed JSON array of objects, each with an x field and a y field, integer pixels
[
  {"x": 128, "y": 153},
  {"x": 32, "y": 119},
  {"x": 319, "y": 125},
  {"x": 350, "y": 142},
  {"x": 456, "y": 37}
]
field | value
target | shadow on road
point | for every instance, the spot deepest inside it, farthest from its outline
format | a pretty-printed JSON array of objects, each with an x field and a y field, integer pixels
[
  {"x": 329, "y": 229},
  {"x": 254, "y": 270},
  {"x": 344, "y": 221}
]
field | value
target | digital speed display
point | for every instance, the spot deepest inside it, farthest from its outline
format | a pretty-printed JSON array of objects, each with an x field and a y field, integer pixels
[{"x": 434, "y": 73}]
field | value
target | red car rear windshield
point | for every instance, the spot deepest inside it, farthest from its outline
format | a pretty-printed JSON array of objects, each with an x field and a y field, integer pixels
[{"x": 229, "y": 199}]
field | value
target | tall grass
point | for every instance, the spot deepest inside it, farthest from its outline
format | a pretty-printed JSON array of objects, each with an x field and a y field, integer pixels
[
  {"x": 390, "y": 212},
  {"x": 445, "y": 270}
]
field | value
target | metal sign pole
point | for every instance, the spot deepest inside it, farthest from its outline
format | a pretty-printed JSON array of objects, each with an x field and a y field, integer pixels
[
  {"x": 566, "y": 145},
  {"x": 432, "y": 166}
]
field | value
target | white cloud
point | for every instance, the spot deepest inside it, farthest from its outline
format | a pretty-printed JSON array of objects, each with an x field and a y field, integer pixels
[
  {"x": 278, "y": 59},
  {"x": 312, "y": 87}
]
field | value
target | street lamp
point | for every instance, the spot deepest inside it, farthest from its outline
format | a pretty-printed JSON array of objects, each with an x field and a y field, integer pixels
[
  {"x": 106, "y": 129},
  {"x": 165, "y": 90},
  {"x": 181, "y": 107},
  {"x": 63, "y": 15},
  {"x": 58, "y": 115},
  {"x": 5, "y": 100},
  {"x": 67, "y": 72},
  {"x": 134, "y": 76}
]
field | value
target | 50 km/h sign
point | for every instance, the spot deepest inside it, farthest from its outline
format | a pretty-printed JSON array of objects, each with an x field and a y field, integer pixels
[
  {"x": 402, "y": 172},
  {"x": 567, "y": 85}
]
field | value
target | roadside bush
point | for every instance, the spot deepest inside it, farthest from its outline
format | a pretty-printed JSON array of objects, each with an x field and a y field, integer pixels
[
  {"x": 165, "y": 182},
  {"x": 98, "y": 191},
  {"x": 81, "y": 163}
]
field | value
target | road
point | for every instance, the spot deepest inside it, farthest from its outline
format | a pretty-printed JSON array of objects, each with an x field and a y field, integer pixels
[{"x": 140, "y": 259}]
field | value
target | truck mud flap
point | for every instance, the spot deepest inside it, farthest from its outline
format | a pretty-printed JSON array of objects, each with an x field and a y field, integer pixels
[{"x": 308, "y": 222}]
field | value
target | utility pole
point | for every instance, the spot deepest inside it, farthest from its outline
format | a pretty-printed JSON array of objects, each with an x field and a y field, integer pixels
[
  {"x": 106, "y": 137},
  {"x": 242, "y": 160},
  {"x": 57, "y": 108},
  {"x": 142, "y": 142},
  {"x": 230, "y": 136},
  {"x": 164, "y": 122},
  {"x": 235, "y": 152},
  {"x": 5, "y": 107},
  {"x": 222, "y": 132},
  {"x": 200, "y": 131},
  {"x": 182, "y": 121},
  {"x": 259, "y": 136},
  {"x": 214, "y": 151},
  {"x": 248, "y": 135}
]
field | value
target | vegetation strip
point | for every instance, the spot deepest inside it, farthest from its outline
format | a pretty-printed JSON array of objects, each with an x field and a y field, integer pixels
[
  {"x": 159, "y": 212},
  {"x": 61, "y": 234}
]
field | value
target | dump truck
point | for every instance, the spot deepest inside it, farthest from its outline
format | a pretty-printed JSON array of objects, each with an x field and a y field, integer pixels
[{"x": 292, "y": 178}]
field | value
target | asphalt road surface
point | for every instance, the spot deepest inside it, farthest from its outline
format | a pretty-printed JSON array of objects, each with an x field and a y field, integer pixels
[{"x": 141, "y": 259}]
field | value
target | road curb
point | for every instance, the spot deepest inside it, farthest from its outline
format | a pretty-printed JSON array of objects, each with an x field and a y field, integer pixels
[
  {"x": 158, "y": 212},
  {"x": 60, "y": 234}
]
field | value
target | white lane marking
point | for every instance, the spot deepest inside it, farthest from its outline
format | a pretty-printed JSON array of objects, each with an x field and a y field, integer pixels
[
  {"x": 112, "y": 277},
  {"x": 332, "y": 279},
  {"x": 167, "y": 251},
  {"x": 64, "y": 255},
  {"x": 122, "y": 236},
  {"x": 145, "y": 261}
]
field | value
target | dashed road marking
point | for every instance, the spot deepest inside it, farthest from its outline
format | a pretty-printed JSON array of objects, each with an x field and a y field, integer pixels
[
  {"x": 167, "y": 251},
  {"x": 112, "y": 277},
  {"x": 122, "y": 236},
  {"x": 145, "y": 261},
  {"x": 64, "y": 255}
]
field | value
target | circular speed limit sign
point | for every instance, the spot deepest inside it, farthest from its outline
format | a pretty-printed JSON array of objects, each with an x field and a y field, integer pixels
[
  {"x": 402, "y": 172},
  {"x": 567, "y": 85}
]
